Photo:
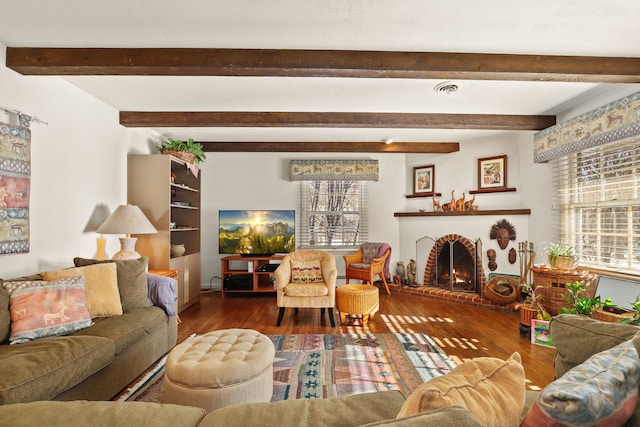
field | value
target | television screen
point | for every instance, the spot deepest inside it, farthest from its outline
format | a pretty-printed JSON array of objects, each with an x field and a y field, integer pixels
[{"x": 254, "y": 232}]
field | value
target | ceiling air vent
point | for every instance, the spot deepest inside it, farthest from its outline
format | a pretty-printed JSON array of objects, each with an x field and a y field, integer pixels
[{"x": 446, "y": 87}]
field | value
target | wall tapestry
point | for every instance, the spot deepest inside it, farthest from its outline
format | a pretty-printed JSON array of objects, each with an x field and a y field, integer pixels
[{"x": 15, "y": 173}]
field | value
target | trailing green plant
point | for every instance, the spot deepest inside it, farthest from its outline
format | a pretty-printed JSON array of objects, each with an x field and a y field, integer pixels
[
  {"x": 635, "y": 320},
  {"x": 190, "y": 146},
  {"x": 578, "y": 300}
]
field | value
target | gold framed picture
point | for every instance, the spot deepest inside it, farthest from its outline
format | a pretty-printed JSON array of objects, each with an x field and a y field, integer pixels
[{"x": 492, "y": 172}]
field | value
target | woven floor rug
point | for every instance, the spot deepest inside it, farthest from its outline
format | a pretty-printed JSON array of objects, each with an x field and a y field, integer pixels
[{"x": 323, "y": 365}]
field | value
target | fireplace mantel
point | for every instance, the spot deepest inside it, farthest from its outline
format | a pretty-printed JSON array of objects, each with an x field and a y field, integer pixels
[{"x": 467, "y": 213}]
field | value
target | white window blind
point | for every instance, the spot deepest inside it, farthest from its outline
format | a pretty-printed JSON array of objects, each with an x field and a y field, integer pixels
[
  {"x": 334, "y": 213},
  {"x": 598, "y": 204}
]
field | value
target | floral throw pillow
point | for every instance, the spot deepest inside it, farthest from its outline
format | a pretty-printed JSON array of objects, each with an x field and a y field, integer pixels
[
  {"x": 306, "y": 272},
  {"x": 43, "y": 309}
]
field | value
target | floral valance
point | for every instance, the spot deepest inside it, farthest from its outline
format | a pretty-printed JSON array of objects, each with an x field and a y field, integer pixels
[
  {"x": 612, "y": 122},
  {"x": 316, "y": 170}
]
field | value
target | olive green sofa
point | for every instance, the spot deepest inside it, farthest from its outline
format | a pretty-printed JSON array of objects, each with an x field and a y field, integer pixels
[
  {"x": 577, "y": 338},
  {"x": 93, "y": 363}
]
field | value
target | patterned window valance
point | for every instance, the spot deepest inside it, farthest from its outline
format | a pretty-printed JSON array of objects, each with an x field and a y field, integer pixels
[
  {"x": 612, "y": 122},
  {"x": 320, "y": 170}
]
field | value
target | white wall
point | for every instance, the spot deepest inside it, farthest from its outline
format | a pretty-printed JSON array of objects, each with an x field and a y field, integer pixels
[
  {"x": 78, "y": 161},
  {"x": 261, "y": 181}
]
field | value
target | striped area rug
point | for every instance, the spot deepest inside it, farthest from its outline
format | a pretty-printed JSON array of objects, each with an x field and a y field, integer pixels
[{"x": 324, "y": 365}]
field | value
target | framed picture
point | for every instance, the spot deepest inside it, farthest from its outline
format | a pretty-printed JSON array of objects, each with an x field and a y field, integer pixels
[
  {"x": 423, "y": 177},
  {"x": 540, "y": 334},
  {"x": 492, "y": 172}
]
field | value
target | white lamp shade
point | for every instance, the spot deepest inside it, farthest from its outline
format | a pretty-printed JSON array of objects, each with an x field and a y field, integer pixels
[{"x": 127, "y": 219}]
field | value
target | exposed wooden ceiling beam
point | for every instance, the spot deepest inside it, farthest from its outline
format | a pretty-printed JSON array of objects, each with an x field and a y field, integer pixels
[
  {"x": 320, "y": 63},
  {"x": 333, "y": 120},
  {"x": 332, "y": 147}
]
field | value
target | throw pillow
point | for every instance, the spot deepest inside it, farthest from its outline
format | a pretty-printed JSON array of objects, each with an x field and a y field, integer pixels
[
  {"x": 132, "y": 280},
  {"x": 491, "y": 389},
  {"x": 306, "y": 272},
  {"x": 5, "y": 317},
  {"x": 570, "y": 332},
  {"x": 100, "y": 287},
  {"x": 603, "y": 391},
  {"x": 47, "y": 309}
]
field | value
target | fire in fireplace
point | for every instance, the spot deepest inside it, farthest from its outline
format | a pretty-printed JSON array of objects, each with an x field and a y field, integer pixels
[{"x": 455, "y": 263}]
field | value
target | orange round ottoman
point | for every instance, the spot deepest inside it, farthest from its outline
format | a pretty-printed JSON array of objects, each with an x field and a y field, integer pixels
[
  {"x": 219, "y": 369},
  {"x": 357, "y": 300}
]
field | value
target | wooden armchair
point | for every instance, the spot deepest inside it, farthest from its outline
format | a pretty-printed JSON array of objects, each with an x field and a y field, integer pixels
[
  {"x": 364, "y": 266},
  {"x": 306, "y": 279}
]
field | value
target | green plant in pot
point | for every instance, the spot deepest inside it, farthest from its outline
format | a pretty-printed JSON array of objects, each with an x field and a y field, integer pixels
[
  {"x": 561, "y": 255},
  {"x": 532, "y": 303},
  {"x": 189, "y": 151},
  {"x": 578, "y": 301},
  {"x": 635, "y": 320}
]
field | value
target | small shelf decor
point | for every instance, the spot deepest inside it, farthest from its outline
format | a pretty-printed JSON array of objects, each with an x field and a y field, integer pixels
[{"x": 188, "y": 151}]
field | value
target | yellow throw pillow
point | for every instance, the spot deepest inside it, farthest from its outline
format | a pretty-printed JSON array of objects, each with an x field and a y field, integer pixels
[
  {"x": 101, "y": 287},
  {"x": 306, "y": 272},
  {"x": 492, "y": 389}
]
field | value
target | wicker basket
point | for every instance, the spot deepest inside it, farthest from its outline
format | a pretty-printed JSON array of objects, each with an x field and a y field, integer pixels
[
  {"x": 501, "y": 298},
  {"x": 551, "y": 283},
  {"x": 527, "y": 314},
  {"x": 182, "y": 155}
]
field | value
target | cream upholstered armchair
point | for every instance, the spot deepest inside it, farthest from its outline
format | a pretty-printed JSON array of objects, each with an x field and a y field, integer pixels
[
  {"x": 306, "y": 279},
  {"x": 371, "y": 260}
]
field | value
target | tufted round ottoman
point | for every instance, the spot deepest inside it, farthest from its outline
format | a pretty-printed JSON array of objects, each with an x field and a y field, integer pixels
[
  {"x": 357, "y": 300},
  {"x": 219, "y": 369}
]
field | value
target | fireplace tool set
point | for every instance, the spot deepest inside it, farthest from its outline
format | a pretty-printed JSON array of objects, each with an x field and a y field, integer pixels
[{"x": 527, "y": 255}]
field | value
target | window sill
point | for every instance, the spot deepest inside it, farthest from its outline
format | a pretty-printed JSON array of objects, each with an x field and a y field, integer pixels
[{"x": 627, "y": 276}]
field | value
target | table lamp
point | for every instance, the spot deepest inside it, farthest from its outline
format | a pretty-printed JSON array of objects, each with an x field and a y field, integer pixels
[
  {"x": 128, "y": 220},
  {"x": 99, "y": 215}
]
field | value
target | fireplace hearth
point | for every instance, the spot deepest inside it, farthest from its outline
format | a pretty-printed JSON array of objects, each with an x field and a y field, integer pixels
[{"x": 454, "y": 263}]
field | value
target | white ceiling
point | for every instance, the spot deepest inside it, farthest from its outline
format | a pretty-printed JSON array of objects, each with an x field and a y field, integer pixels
[{"x": 546, "y": 27}]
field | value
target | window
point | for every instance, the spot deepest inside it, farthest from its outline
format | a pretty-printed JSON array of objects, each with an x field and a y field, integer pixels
[
  {"x": 599, "y": 205},
  {"x": 333, "y": 213}
]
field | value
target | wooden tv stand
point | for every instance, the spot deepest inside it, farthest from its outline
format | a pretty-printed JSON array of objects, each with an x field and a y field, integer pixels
[{"x": 249, "y": 278}]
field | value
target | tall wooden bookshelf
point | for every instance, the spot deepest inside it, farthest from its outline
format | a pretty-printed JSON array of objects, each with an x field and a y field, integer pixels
[{"x": 169, "y": 195}]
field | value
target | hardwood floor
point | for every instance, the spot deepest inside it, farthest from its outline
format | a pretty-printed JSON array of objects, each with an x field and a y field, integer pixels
[{"x": 463, "y": 331}]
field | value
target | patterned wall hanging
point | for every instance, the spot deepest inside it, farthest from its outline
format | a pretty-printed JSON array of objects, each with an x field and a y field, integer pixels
[
  {"x": 15, "y": 180},
  {"x": 310, "y": 170}
]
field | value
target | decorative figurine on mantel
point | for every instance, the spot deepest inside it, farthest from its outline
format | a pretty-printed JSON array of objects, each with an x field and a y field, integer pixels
[{"x": 411, "y": 272}]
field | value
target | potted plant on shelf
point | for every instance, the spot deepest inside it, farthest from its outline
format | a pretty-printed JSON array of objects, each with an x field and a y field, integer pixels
[
  {"x": 189, "y": 151},
  {"x": 561, "y": 255},
  {"x": 579, "y": 302}
]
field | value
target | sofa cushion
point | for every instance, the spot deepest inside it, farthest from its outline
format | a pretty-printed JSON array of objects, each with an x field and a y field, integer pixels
[
  {"x": 127, "y": 329},
  {"x": 42, "y": 309},
  {"x": 41, "y": 369},
  {"x": 100, "y": 414},
  {"x": 450, "y": 416},
  {"x": 5, "y": 317},
  {"x": 354, "y": 410},
  {"x": 570, "y": 332},
  {"x": 490, "y": 388},
  {"x": 100, "y": 287},
  {"x": 602, "y": 391},
  {"x": 132, "y": 280}
]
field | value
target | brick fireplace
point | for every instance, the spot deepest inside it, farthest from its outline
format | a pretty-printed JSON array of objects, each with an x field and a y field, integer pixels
[{"x": 455, "y": 264}]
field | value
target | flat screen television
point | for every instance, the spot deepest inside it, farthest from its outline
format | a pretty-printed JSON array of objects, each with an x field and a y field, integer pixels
[{"x": 256, "y": 232}]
